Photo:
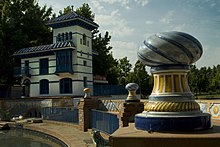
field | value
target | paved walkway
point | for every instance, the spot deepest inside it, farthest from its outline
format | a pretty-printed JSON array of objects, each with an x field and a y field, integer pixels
[{"x": 66, "y": 132}]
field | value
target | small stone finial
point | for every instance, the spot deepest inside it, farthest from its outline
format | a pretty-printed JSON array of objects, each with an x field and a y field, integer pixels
[
  {"x": 132, "y": 88},
  {"x": 87, "y": 93}
]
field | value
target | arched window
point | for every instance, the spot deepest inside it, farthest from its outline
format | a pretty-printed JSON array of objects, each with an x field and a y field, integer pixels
[
  {"x": 58, "y": 37},
  {"x": 66, "y": 86},
  {"x": 84, "y": 39},
  {"x": 70, "y": 35},
  {"x": 44, "y": 86},
  {"x": 67, "y": 36},
  {"x": 62, "y": 38}
]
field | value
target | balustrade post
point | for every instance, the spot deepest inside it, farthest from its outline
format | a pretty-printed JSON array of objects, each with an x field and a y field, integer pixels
[
  {"x": 131, "y": 106},
  {"x": 85, "y": 107}
]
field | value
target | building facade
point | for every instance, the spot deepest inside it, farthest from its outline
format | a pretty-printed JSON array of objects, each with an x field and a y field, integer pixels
[{"x": 63, "y": 68}]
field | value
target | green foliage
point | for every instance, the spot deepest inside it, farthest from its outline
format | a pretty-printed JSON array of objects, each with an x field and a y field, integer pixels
[
  {"x": 204, "y": 80},
  {"x": 103, "y": 61},
  {"x": 124, "y": 68},
  {"x": 142, "y": 78},
  {"x": 66, "y": 10},
  {"x": 22, "y": 24},
  {"x": 86, "y": 11}
]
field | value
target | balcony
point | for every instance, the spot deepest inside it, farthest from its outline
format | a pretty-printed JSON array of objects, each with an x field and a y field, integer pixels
[{"x": 22, "y": 72}]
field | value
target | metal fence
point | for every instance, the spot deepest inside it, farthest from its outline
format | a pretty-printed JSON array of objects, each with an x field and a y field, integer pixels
[
  {"x": 63, "y": 114},
  {"x": 104, "y": 121}
]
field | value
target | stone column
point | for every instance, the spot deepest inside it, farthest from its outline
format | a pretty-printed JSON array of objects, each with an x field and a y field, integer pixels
[
  {"x": 131, "y": 106},
  {"x": 85, "y": 106}
]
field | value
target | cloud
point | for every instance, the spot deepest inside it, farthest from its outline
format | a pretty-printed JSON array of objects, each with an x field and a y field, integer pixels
[
  {"x": 209, "y": 56},
  {"x": 181, "y": 27},
  {"x": 167, "y": 19},
  {"x": 123, "y": 49},
  {"x": 97, "y": 5},
  {"x": 123, "y": 3},
  {"x": 149, "y": 22},
  {"x": 117, "y": 26},
  {"x": 142, "y": 2}
]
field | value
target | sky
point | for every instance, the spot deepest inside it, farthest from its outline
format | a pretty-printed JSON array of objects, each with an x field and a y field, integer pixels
[{"x": 130, "y": 22}]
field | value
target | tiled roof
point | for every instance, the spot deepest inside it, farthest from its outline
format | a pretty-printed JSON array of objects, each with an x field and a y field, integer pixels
[
  {"x": 70, "y": 16},
  {"x": 44, "y": 48}
]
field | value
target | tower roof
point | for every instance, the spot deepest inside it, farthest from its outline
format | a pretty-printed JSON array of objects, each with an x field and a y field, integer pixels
[
  {"x": 43, "y": 49},
  {"x": 71, "y": 19}
]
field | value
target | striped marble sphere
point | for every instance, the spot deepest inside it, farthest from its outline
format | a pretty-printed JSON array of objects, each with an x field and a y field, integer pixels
[
  {"x": 132, "y": 86},
  {"x": 170, "y": 48}
]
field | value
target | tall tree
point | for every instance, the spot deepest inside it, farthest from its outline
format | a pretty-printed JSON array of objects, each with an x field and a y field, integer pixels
[
  {"x": 124, "y": 67},
  {"x": 143, "y": 79},
  {"x": 22, "y": 24},
  {"x": 86, "y": 11},
  {"x": 66, "y": 10}
]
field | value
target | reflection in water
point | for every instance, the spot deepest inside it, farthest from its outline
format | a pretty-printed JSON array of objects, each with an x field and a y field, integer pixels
[{"x": 26, "y": 138}]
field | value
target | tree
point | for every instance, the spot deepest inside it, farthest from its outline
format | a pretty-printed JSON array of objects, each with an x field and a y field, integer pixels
[
  {"x": 22, "y": 24},
  {"x": 66, "y": 10},
  {"x": 124, "y": 67},
  {"x": 86, "y": 11},
  {"x": 143, "y": 79}
]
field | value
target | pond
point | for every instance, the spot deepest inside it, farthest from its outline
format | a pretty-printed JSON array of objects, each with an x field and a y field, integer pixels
[{"x": 28, "y": 138}]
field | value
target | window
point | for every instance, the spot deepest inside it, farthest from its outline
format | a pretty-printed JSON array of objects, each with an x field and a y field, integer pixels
[
  {"x": 88, "y": 43},
  {"x": 44, "y": 86},
  {"x": 65, "y": 85},
  {"x": 62, "y": 38},
  {"x": 70, "y": 35},
  {"x": 84, "y": 63},
  {"x": 67, "y": 36},
  {"x": 59, "y": 38},
  {"x": 26, "y": 67},
  {"x": 64, "y": 61},
  {"x": 44, "y": 66},
  {"x": 80, "y": 40},
  {"x": 85, "y": 82},
  {"x": 84, "y": 39}
]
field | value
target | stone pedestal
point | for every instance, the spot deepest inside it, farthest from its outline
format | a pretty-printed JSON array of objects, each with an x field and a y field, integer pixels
[
  {"x": 85, "y": 107},
  {"x": 128, "y": 112},
  {"x": 131, "y": 137}
]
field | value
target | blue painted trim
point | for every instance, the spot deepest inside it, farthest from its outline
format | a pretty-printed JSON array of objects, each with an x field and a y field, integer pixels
[
  {"x": 37, "y": 61},
  {"x": 38, "y": 54},
  {"x": 72, "y": 22},
  {"x": 84, "y": 58},
  {"x": 84, "y": 53},
  {"x": 173, "y": 123},
  {"x": 82, "y": 65},
  {"x": 83, "y": 72},
  {"x": 170, "y": 67},
  {"x": 59, "y": 81}
]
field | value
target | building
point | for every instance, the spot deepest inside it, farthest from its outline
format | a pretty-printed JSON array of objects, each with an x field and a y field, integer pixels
[{"x": 63, "y": 68}]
